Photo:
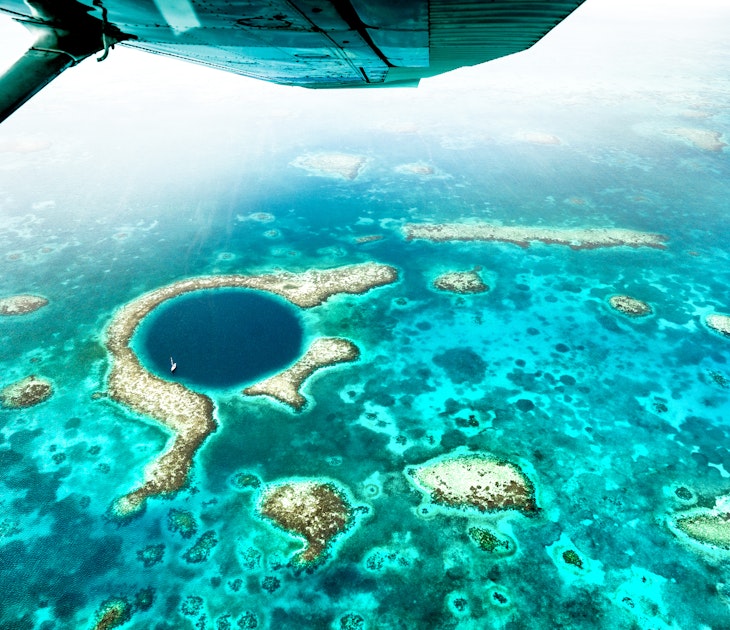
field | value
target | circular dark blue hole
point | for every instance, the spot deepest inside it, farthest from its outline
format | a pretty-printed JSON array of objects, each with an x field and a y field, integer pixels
[{"x": 219, "y": 338}]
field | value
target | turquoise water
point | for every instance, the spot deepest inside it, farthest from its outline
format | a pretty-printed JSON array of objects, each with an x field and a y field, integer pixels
[
  {"x": 620, "y": 424},
  {"x": 220, "y": 338}
]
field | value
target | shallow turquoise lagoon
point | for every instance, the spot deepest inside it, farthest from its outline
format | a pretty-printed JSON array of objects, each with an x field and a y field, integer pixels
[{"x": 620, "y": 424}]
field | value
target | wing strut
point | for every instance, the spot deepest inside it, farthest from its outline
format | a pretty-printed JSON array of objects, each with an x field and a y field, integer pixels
[{"x": 65, "y": 35}]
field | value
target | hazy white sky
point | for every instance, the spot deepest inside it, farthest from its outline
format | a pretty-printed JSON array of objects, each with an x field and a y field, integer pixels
[{"x": 607, "y": 49}]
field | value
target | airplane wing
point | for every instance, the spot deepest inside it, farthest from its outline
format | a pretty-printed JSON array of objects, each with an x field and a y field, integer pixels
[{"x": 309, "y": 43}]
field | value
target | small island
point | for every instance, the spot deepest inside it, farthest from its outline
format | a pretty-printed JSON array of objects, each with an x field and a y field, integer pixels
[
  {"x": 575, "y": 238},
  {"x": 461, "y": 282},
  {"x": 190, "y": 415},
  {"x": 21, "y": 304},
  {"x": 631, "y": 307},
  {"x": 26, "y": 392},
  {"x": 316, "y": 511},
  {"x": 285, "y": 386},
  {"x": 342, "y": 165},
  {"x": 719, "y": 323},
  {"x": 466, "y": 481}
]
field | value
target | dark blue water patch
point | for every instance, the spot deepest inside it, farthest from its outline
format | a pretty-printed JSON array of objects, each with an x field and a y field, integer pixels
[{"x": 220, "y": 337}]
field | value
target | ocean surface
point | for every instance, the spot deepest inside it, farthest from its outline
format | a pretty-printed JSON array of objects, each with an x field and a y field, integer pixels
[{"x": 621, "y": 424}]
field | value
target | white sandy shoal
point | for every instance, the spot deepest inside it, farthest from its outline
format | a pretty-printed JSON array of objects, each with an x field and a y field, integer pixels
[
  {"x": 285, "y": 386},
  {"x": 573, "y": 237}
]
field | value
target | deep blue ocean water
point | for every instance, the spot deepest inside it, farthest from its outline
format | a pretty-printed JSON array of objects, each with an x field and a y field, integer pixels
[
  {"x": 220, "y": 338},
  {"x": 608, "y": 416}
]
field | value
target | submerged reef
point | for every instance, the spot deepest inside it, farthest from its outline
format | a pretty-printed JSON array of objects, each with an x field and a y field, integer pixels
[
  {"x": 26, "y": 392},
  {"x": 112, "y": 613},
  {"x": 575, "y": 238},
  {"x": 190, "y": 415},
  {"x": 629, "y": 306},
  {"x": 285, "y": 386},
  {"x": 487, "y": 541},
  {"x": 183, "y": 522},
  {"x": 21, "y": 304},
  {"x": 719, "y": 323},
  {"x": 344, "y": 165},
  {"x": 708, "y": 528},
  {"x": 316, "y": 511},
  {"x": 462, "y": 282},
  {"x": 474, "y": 481}
]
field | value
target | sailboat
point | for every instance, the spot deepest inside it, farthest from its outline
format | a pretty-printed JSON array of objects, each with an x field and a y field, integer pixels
[{"x": 173, "y": 365}]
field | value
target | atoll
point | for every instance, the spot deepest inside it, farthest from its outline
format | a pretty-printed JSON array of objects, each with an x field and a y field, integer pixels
[
  {"x": 21, "y": 304},
  {"x": 463, "y": 282},
  {"x": 344, "y": 165},
  {"x": 112, "y": 613},
  {"x": 316, "y": 511},
  {"x": 629, "y": 306},
  {"x": 189, "y": 415},
  {"x": 719, "y": 323},
  {"x": 474, "y": 481},
  {"x": 26, "y": 392},
  {"x": 285, "y": 386},
  {"x": 575, "y": 238},
  {"x": 709, "y": 528}
]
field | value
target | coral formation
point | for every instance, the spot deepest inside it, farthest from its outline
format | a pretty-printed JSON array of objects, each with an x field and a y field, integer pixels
[
  {"x": 316, "y": 511},
  {"x": 704, "y": 139},
  {"x": 21, "y": 304},
  {"x": 285, "y": 386},
  {"x": 200, "y": 551},
  {"x": 26, "y": 392},
  {"x": 629, "y": 306},
  {"x": 474, "y": 481},
  {"x": 245, "y": 481},
  {"x": 150, "y": 555},
  {"x": 344, "y": 165},
  {"x": 183, "y": 522},
  {"x": 575, "y": 238},
  {"x": 112, "y": 613},
  {"x": 572, "y": 558},
  {"x": 710, "y": 528},
  {"x": 719, "y": 323},
  {"x": 487, "y": 541},
  {"x": 463, "y": 282}
]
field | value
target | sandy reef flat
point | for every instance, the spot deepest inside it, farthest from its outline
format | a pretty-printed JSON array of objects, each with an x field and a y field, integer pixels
[
  {"x": 704, "y": 139},
  {"x": 26, "y": 392},
  {"x": 285, "y": 386},
  {"x": 316, "y": 511},
  {"x": 710, "y": 528},
  {"x": 474, "y": 480},
  {"x": 342, "y": 165},
  {"x": 462, "y": 282},
  {"x": 719, "y": 323},
  {"x": 629, "y": 306},
  {"x": 187, "y": 414},
  {"x": 575, "y": 238},
  {"x": 21, "y": 304}
]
